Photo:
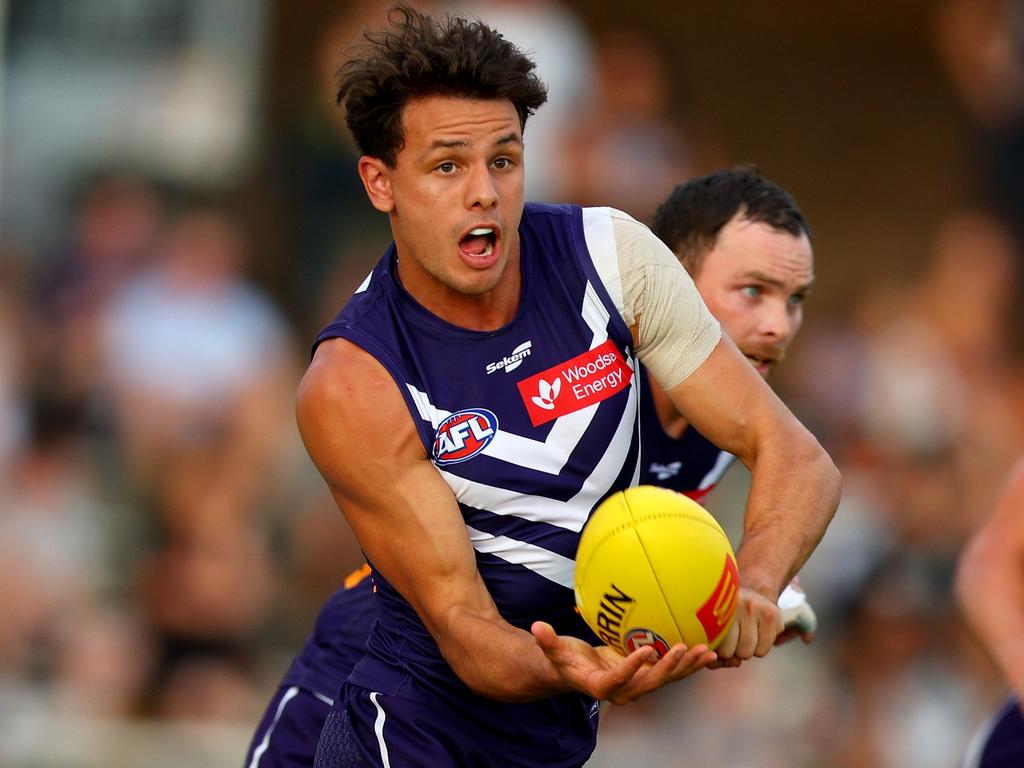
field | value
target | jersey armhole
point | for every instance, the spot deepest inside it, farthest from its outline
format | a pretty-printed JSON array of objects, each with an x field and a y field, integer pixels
[{"x": 419, "y": 409}]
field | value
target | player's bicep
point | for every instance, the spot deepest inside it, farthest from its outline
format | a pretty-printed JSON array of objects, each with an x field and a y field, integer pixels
[
  {"x": 673, "y": 331},
  {"x": 359, "y": 433},
  {"x": 730, "y": 404}
]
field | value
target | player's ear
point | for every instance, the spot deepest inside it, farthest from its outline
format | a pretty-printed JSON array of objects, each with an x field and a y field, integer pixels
[{"x": 377, "y": 182}]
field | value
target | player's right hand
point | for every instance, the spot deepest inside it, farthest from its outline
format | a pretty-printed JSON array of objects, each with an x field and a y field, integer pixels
[{"x": 603, "y": 673}]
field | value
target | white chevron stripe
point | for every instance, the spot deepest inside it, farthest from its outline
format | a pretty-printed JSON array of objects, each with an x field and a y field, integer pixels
[
  {"x": 550, "y": 455},
  {"x": 542, "y": 562},
  {"x": 596, "y": 315},
  {"x": 425, "y": 408},
  {"x": 722, "y": 463},
  {"x": 365, "y": 284},
  {"x": 571, "y": 514},
  {"x": 599, "y": 233}
]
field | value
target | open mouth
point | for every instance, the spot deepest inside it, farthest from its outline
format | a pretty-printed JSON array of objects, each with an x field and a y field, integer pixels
[
  {"x": 478, "y": 244},
  {"x": 762, "y": 364}
]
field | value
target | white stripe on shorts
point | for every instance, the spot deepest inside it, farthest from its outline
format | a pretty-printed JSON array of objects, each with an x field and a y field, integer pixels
[
  {"x": 378, "y": 728},
  {"x": 258, "y": 753},
  {"x": 328, "y": 701},
  {"x": 976, "y": 746}
]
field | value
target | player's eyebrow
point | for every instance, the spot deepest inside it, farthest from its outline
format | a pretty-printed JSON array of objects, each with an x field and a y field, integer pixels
[
  {"x": 509, "y": 138},
  {"x": 761, "y": 277},
  {"x": 447, "y": 144}
]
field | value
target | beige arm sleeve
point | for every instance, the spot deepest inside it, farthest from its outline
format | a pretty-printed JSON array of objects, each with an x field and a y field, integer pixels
[{"x": 676, "y": 331}]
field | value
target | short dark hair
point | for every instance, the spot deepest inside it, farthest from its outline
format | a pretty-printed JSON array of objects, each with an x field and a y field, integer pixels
[
  {"x": 694, "y": 213},
  {"x": 417, "y": 56}
]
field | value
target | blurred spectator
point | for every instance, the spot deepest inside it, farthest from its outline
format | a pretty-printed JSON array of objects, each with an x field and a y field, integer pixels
[
  {"x": 626, "y": 151},
  {"x": 52, "y": 537},
  {"x": 14, "y": 364},
  {"x": 116, "y": 221},
  {"x": 939, "y": 405},
  {"x": 982, "y": 45},
  {"x": 200, "y": 372},
  {"x": 201, "y": 375},
  {"x": 326, "y": 215},
  {"x": 912, "y": 701},
  {"x": 925, "y": 402},
  {"x": 102, "y": 659},
  {"x": 209, "y": 688},
  {"x": 561, "y": 47}
]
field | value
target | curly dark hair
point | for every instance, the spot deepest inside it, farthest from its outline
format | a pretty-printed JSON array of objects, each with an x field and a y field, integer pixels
[
  {"x": 694, "y": 213},
  {"x": 417, "y": 56}
]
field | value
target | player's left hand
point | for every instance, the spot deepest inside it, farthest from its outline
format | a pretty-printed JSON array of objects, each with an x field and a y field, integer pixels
[
  {"x": 798, "y": 616},
  {"x": 603, "y": 673},
  {"x": 753, "y": 632}
]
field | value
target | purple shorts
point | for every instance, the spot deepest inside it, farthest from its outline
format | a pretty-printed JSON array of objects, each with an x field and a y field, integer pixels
[
  {"x": 1000, "y": 742},
  {"x": 376, "y": 730},
  {"x": 289, "y": 731}
]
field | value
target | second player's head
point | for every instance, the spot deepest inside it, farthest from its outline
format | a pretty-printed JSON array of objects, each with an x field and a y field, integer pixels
[
  {"x": 438, "y": 107},
  {"x": 747, "y": 245}
]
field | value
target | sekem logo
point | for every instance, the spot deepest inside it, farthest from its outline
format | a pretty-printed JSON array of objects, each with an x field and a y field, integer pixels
[
  {"x": 463, "y": 435},
  {"x": 510, "y": 362}
]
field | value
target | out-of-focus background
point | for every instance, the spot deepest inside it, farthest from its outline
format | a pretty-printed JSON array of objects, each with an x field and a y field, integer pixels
[{"x": 180, "y": 212}]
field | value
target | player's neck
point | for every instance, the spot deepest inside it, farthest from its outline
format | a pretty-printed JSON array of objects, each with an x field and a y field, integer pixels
[
  {"x": 672, "y": 421},
  {"x": 487, "y": 311}
]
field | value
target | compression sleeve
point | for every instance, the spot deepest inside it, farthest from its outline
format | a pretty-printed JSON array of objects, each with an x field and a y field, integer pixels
[{"x": 676, "y": 330}]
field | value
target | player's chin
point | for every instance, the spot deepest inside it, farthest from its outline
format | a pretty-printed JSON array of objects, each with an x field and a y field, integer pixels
[{"x": 479, "y": 281}]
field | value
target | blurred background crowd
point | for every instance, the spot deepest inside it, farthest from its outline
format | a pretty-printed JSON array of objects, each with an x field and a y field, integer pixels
[{"x": 180, "y": 213}]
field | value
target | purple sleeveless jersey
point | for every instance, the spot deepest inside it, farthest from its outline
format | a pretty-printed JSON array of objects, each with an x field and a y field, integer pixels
[{"x": 531, "y": 426}]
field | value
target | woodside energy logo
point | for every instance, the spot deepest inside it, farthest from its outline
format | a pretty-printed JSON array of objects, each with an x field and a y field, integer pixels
[{"x": 584, "y": 380}]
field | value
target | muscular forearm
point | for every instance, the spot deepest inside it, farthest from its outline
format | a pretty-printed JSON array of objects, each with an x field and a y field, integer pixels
[
  {"x": 990, "y": 590},
  {"x": 496, "y": 659},
  {"x": 792, "y": 499}
]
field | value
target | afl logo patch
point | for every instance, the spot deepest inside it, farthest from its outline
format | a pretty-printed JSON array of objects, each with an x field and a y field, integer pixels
[
  {"x": 640, "y": 638},
  {"x": 463, "y": 435}
]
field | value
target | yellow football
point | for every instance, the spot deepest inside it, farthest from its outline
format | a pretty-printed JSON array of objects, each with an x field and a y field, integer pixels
[{"x": 653, "y": 567}]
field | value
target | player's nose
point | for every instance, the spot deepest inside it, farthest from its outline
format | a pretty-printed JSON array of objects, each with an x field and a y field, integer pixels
[
  {"x": 777, "y": 321},
  {"x": 481, "y": 191}
]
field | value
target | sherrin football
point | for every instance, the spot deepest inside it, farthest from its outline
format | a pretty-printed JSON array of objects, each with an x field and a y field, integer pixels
[{"x": 655, "y": 568}]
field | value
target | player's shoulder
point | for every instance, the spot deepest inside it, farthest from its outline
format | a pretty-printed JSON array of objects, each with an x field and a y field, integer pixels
[
  {"x": 350, "y": 410},
  {"x": 533, "y": 209},
  {"x": 612, "y": 214},
  {"x": 341, "y": 377}
]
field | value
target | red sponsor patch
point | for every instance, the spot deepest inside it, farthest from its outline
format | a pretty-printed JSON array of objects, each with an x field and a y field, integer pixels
[
  {"x": 584, "y": 380},
  {"x": 715, "y": 614}
]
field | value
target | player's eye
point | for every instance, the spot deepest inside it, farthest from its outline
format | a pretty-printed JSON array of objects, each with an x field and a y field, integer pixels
[
  {"x": 797, "y": 299},
  {"x": 751, "y": 291},
  {"x": 446, "y": 167},
  {"x": 503, "y": 162}
]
